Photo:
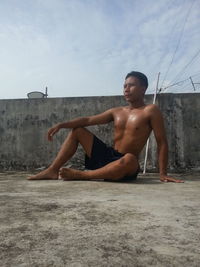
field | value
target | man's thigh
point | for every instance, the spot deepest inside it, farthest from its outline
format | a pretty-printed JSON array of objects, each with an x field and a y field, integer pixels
[{"x": 85, "y": 138}]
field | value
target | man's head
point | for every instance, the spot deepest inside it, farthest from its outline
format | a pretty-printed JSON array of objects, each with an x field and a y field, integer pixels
[
  {"x": 135, "y": 86},
  {"x": 140, "y": 76}
]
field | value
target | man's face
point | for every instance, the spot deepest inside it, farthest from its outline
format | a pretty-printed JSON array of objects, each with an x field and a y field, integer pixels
[{"x": 133, "y": 90}]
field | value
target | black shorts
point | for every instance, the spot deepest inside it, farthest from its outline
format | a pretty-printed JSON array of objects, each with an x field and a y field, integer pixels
[{"x": 101, "y": 155}]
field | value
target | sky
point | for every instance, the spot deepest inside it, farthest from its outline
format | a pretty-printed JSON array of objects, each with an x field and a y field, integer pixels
[{"x": 86, "y": 47}]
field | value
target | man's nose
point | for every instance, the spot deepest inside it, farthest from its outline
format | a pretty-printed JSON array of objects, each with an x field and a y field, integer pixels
[{"x": 126, "y": 88}]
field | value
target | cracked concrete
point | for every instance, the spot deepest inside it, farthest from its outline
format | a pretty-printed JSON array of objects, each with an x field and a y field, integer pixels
[{"x": 83, "y": 223}]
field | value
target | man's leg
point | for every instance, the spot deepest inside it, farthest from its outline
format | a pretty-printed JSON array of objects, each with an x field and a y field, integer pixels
[
  {"x": 68, "y": 149},
  {"x": 115, "y": 170}
]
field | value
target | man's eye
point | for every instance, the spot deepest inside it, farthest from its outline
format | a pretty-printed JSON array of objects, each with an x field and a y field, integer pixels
[{"x": 129, "y": 85}]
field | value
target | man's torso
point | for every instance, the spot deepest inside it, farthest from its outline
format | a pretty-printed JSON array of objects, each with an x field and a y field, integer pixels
[{"x": 131, "y": 129}]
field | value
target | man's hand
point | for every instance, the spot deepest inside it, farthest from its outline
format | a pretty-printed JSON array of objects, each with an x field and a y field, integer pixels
[
  {"x": 52, "y": 131},
  {"x": 166, "y": 178}
]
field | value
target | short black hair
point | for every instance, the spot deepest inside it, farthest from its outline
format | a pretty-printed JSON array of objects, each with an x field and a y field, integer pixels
[{"x": 141, "y": 77}]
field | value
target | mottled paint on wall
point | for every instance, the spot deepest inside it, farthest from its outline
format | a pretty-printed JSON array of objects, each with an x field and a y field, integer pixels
[{"x": 24, "y": 124}]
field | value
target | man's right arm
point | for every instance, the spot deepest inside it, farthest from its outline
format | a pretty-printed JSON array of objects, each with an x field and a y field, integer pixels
[{"x": 101, "y": 118}]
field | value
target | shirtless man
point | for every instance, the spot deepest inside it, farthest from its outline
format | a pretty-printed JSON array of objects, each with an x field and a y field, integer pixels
[{"x": 132, "y": 127}]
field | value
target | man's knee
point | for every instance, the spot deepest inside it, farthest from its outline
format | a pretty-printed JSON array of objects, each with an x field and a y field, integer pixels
[
  {"x": 128, "y": 158},
  {"x": 77, "y": 132},
  {"x": 85, "y": 138},
  {"x": 129, "y": 162}
]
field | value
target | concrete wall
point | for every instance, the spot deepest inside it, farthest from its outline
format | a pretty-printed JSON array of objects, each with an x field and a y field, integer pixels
[{"x": 24, "y": 123}]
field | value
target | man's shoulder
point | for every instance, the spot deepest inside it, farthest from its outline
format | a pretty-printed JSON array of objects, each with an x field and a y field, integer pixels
[
  {"x": 117, "y": 109},
  {"x": 152, "y": 108},
  {"x": 152, "y": 111}
]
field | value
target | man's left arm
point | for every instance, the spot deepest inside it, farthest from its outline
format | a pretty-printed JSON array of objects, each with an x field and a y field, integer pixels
[{"x": 157, "y": 124}]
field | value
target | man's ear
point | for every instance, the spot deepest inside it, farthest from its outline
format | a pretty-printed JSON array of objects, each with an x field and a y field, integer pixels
[{"x": 144, "y": 89}]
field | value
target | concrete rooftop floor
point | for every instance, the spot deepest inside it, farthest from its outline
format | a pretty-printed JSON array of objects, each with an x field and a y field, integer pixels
[{"x": 90, "y": 223}]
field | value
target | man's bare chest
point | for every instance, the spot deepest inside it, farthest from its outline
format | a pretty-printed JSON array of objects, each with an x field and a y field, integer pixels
[{"x": 132, "y": 121}]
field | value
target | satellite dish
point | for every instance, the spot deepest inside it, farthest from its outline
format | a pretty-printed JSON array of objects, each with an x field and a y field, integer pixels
[{"x": 36, "y": 94}]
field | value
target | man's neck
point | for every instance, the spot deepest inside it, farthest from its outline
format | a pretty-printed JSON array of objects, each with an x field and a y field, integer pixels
[{"x": 137, "y": 104}]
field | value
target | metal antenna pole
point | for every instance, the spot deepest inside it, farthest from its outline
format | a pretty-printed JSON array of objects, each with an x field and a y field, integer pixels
[
  {"x": 192, "y": 83},
  {"x": 46, "y": 90},
  {"x": 147, "y": 145}
]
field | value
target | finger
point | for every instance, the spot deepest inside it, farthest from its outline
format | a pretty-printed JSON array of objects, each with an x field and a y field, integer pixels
[
  {"x": 53, "y": 132},
  {"x": 50, "y": 130},
  {"x": 49, "y": 136}
]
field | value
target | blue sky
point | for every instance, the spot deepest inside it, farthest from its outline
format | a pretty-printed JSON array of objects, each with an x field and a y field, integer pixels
[{"x": 86, "y": 47}]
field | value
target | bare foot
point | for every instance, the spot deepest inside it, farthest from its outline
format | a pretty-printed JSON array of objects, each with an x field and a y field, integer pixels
[
  {"x": 47, "y": 174},
  {"x": 69, "y": 174}
]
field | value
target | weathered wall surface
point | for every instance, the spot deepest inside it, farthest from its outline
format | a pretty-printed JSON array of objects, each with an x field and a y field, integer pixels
[{"x": 24, "y": 124}]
